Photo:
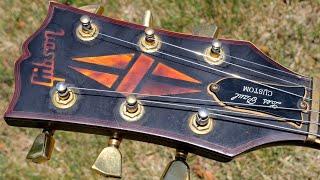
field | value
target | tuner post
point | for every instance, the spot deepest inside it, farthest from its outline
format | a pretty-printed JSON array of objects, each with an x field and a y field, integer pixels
[
  {"x": 62, "y": 96},
  {"x": 86, "y": 24},
  {"x": 109, "y": 161},
  {"x": 131, "y": 110},
  {"x": 177, "y": 169},
  {"x": 42, "y": 147},
  {"x": 216, "y": 48},
  {"x": 132, "y": 105},
  {"x": 200, "y": 122},
  {"x": 202, "y": 117},
  {"x": 149, "y": 42},
  {"x": 87, "y": 31},
  {"x": 215, "y": 55}
]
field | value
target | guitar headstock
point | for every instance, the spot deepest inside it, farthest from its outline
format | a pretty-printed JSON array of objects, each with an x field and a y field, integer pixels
[{"x": 217, "y": 98}]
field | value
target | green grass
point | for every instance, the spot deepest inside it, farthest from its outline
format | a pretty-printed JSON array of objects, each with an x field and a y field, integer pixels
[{"x": 289, "y": 33}]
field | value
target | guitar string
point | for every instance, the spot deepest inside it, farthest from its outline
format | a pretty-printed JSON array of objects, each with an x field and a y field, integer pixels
[
  {"x": 193, "y": 99},
  {"x": 271, "y": 68},
  {"x": 242, "y": 119},
  {"x": 181, "y": 98},
  {"x": 201, "y": 65},
  {"x": 250, "y": 122},
  {"x": 246, "y": 68}
]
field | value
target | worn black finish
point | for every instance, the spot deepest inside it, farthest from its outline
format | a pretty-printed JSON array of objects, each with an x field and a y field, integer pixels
[{"x": 98, "y": 112}]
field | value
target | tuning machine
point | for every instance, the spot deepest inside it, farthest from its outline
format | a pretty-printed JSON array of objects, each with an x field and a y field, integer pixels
[
  {"x": 109, "y": 161},
  {"x": 87, "y": 30},
  {"x": 201, "y": 122},
  {"x": 96, "y": 9},
  {"x": 177, "y": 169},
  {"x": 149, "y": 42},
  {"x": 206, "y": 30},
  {"x": 63, "y": 97},
  {"x": 131, "y": 110},
  {"x": 42, "y": 147},
  {"x": 215, "y": 54}
]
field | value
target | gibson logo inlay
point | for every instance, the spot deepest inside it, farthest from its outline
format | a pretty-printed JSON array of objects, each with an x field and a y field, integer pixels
[{"x": 43, "y": 72}]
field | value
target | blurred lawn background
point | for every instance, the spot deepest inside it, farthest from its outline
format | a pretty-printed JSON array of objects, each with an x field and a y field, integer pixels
[{"x": 289, "y": 31}]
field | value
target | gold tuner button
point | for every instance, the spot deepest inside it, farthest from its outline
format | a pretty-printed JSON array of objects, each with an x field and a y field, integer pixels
[
  {"x": 177, "y": 169},
  {"x": 215, "y": 55},
  {"x": 42, "y": 147},
  {"x": 147, "y": 20},
  {"x": 202, "y": 117},
  {"x": 109, "y": 161},
  {"x": 87, "y": 31}
]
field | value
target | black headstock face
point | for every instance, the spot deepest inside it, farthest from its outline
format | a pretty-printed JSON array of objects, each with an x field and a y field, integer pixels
[{"x": 252, "y": 100}]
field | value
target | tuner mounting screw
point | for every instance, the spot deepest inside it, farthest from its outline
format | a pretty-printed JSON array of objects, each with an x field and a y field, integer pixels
[
  {"x": 87, "y": 31},
  {"x": 215, "y": 55},
  {"x": 149, "y": 42},
  {"x": 131, "y": 110},
  {"x": 202, "y": 117}
]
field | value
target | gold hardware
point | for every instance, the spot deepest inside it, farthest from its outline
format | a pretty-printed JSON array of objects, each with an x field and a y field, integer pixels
[
  {"x": 147, "y": 20},
  {"x": 149, "y": 42},
  {"x": 42, "y": 147},
  {"x": 87, "y": 31},
  {"x": 132, "y": 104},
  {"x": 206, "y": 30},
  {"x": 315, "y": 107},
  {"x": 215, "y": 54},
  {"x": 177, "y": 169},
  {"x": 63, "y": 97},
  {"x": 96, "y": 9},
  {"x": 201, "y": 128},
  {"x": 304, "y": 106},
  {"x": 109, "y": 161},
  {"x": 131, "y": 110},
  {"x": 214, "y": 88}
]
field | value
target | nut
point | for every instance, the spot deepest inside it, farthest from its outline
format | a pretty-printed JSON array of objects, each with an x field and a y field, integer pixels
[{"x": 131, "y": 116}]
